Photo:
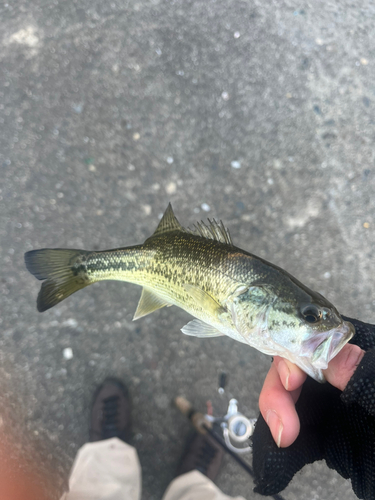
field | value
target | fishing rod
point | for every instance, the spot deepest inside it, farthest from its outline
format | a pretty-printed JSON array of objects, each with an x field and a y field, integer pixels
[{"x": 236, "y": 428}]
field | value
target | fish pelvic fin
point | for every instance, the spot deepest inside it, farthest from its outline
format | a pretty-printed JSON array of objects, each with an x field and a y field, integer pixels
[
  {"x": 197, "y": 328},
  {"x": 148, "y": 303},
  {"x": 64, "y": 272}
]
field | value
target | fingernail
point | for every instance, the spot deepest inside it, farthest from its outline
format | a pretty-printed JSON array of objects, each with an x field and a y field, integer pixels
[
  {"x": 276, "y": 426},
  {"x": 284, "y": 373}
]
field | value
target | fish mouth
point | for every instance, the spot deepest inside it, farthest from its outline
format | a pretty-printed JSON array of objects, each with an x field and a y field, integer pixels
[{"x": 325, "y": 346}]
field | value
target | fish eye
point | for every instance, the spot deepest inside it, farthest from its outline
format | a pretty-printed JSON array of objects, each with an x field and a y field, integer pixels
[{"x": 311, "y": 314}]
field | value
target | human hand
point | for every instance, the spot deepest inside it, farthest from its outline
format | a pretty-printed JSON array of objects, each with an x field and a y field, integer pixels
[
  {"x": 334, "y": 422},
  {"x": 283, "y": 386}
]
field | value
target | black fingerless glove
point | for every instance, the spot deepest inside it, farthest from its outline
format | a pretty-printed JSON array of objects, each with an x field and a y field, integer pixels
[{"x": 336, "y": 426}]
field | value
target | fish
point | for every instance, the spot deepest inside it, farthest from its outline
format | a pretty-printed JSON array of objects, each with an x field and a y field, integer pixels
[{"x": 227, "y": 290}]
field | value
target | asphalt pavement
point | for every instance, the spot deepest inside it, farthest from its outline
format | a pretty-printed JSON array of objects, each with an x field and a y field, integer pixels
[{"x": 260, "y": 114}]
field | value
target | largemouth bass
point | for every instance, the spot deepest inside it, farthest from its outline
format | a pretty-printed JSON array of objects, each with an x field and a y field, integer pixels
[{"x": 229, "y": 291}]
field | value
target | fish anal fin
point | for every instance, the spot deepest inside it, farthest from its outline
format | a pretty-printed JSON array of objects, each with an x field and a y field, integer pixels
[
  {"x": 198, "y": 328},
  {"x": 168, "y": 223},
  {"x": 148, "y": 303},
  {"x": 202, "y": 298}
]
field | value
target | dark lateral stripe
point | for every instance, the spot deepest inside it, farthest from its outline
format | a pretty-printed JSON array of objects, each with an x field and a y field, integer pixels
[{"x": 107, "y": 265}]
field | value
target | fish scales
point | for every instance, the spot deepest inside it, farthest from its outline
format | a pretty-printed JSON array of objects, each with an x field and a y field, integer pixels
[
  {"x": 228, "y": 290},
  {"x": 167, "y": 263}
]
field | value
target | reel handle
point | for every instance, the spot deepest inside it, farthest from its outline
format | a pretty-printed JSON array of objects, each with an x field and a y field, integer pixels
[{"x": 196, "y": 418}]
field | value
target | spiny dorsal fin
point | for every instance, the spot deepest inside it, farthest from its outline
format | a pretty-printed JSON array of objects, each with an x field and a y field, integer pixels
[
  {"x": 168, "y": 223},
  {"x": 213, "y": 231}
]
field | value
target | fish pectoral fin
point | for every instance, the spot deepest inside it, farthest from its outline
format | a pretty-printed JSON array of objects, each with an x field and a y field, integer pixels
[
  {"x": 202, "y": 298},
  {"x": 198, "y": 328},
  {"x": 148, "y": 303}
]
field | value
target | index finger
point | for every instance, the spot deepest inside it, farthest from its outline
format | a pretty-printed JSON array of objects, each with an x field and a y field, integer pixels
[{"x": 342, "y": 367}]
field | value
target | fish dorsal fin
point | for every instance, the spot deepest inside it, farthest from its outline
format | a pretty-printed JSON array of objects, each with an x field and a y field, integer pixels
[
  {"x": 213, "y": 231},
  {"x": 197, "y": 328},
  {"x": 168, "y": 223},
  {"x": 148, "y": 303}
]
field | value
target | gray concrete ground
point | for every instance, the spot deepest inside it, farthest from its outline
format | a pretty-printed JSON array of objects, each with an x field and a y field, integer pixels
[{"x": 257, "y": 113}]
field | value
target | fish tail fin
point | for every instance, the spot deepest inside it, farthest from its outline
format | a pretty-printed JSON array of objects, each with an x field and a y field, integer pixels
[{"x": 64, "y": 272}]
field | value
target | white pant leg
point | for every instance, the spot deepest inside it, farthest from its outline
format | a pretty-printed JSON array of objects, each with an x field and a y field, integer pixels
[
  {"x": 195, "y": 486},
  {"x": 105, "y": 470}
]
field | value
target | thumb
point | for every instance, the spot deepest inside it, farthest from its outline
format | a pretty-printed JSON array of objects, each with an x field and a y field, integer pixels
[{"x": 342, "y": 367}]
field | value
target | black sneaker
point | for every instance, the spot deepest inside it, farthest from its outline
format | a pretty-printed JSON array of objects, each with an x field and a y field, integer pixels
[
  {"x": 111, "y": 412},
  {"x": 203, "y": 454}
]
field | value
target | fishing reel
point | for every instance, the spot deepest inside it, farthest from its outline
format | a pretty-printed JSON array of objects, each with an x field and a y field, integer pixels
[{"x": 236, "y": 428}]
